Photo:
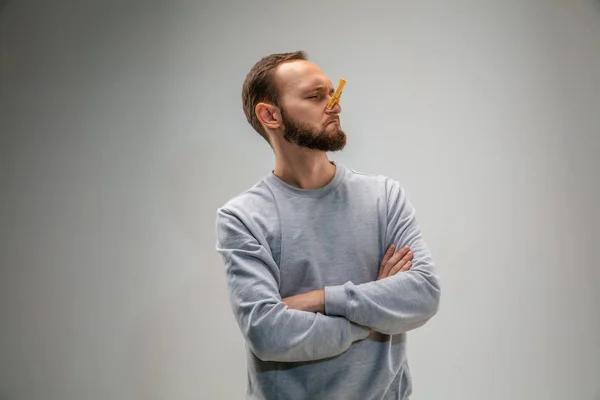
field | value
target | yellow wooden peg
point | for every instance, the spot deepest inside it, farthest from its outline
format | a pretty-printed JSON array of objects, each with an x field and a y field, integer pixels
[{"x": 337, "y": 94}]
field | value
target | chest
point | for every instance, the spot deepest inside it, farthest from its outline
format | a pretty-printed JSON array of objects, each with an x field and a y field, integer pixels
[{"x": 331, "y": 243}]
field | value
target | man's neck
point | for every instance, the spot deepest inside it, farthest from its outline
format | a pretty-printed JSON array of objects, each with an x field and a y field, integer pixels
[{"x": 304, "y": 169}]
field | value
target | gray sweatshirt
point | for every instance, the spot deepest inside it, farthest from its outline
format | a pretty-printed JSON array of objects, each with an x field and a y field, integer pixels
[{"x": 278, "y": 241}]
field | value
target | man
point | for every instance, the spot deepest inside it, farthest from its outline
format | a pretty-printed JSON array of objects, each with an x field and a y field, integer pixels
[{"x": 326, "y": 267}]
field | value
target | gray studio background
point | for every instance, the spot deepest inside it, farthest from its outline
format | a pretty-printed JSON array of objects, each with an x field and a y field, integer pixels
[{"x": 122, "y": 132}]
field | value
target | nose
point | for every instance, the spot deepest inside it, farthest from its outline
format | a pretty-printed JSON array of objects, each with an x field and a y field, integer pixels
[{"x": 336, "y": 109}]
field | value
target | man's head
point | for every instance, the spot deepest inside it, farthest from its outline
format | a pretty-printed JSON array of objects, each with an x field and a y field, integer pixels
[{"x": 285, "y": 96}]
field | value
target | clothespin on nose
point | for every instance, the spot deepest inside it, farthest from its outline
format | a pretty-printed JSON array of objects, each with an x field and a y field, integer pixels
[{"x": 336, "y": 96}]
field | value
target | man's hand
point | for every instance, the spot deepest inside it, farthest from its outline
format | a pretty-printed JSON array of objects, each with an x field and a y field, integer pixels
[
  {"x": 313, "y": 301},
  {"x": 394, "y": 263}
]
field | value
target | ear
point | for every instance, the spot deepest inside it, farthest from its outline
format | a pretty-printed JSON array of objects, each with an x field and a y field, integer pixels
[{"x": 268, "y": 115}]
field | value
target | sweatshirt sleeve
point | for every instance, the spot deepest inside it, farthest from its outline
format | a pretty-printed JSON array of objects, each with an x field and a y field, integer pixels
[
  {"x": 404, "y": 301},
  {"x": 272, "y": 330}
]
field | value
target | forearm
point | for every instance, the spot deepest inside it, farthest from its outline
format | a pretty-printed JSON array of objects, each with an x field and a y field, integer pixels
[
  {"x": 393, "y": 305},
  {"x": 277, "y": 333},
  {"x": 389, "y": 305},
  {"x": 373, "y": 305}
]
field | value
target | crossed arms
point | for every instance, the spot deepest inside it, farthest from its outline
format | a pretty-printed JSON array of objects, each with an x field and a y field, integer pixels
[
  {"x": 392, "y": 263},
  {"x": 325, "y": 323}
]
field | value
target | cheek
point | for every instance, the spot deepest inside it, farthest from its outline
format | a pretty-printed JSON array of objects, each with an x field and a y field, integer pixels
[
  {"x": 311, "y": 114},
  {"x": 308, "y": 114},
  {"x": 310, "y": 118}
]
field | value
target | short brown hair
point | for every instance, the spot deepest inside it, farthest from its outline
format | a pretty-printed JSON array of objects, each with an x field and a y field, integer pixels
[{"x": 260, "y": 86}]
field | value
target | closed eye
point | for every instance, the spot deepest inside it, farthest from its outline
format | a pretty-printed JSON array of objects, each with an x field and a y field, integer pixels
[{"x": 320, "y": 94}]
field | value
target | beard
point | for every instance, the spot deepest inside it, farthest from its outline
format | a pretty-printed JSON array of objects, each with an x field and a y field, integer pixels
[{"x": 308, "y": 137}]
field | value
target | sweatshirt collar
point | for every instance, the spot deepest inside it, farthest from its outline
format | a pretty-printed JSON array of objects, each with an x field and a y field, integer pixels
[{"x": 340, "y": 172}]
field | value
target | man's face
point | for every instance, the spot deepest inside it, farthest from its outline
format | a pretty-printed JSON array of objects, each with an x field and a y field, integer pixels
[{"x": 304, "y": 93}]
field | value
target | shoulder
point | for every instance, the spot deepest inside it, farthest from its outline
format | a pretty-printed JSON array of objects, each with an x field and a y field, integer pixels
[
  {"x": 251, "y": 200},
  {"x": 254, "y": 208},
  {"x": 249, "y": 216},
  {"x": 373, "y": 181},
  {"x": 386, "y": 189}
]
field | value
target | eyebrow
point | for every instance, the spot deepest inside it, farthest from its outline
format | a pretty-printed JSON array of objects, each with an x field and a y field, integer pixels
[{"x": 318, "y": 88}]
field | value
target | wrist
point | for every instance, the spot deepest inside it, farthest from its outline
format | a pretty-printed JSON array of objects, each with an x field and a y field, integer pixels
[
  {"x": 318, "y": 302},
  {"x": 313, "y": 301}
]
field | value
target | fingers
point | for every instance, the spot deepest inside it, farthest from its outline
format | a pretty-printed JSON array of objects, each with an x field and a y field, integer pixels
[
  {"x": 388, "y": 254},
  {"x": 394, "y": 260},
  {"x": 386, "y": 257},
  {"x": 406, "y": 266},
  {"x": 403, "y": 265}
]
